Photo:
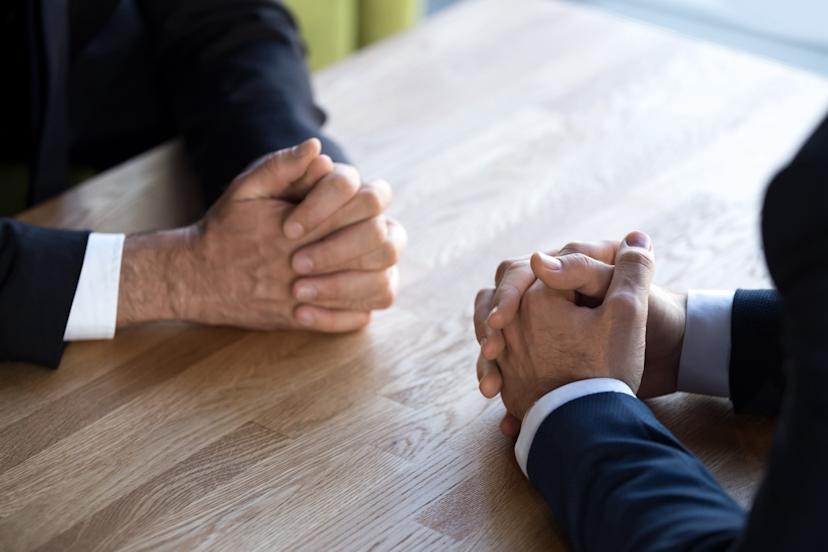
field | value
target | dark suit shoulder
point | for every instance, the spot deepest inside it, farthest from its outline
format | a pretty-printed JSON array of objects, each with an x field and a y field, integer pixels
[{"x": 789, "y": 509}]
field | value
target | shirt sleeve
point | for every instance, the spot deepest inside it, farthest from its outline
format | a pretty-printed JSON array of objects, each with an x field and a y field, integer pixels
[
  {"x": 94, "y": 308},
  {"x": 704, "y": 366},
  {"x": 554, "y": 400}
]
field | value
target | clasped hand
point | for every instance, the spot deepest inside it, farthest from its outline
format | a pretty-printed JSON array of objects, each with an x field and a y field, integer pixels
[
  {"x": 586, "y": 311},
  {"x": 295, "y": 242}
]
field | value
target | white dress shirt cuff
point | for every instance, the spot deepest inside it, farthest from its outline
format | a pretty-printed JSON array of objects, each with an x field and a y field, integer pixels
[
  {"x": 704, "y": 366},
  {"x": 95, "y": 307},
  {"x": 554, "y": 400}
]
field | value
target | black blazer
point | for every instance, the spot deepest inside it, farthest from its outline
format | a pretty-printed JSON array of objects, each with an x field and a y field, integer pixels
[
  {"x": 107, "y": 79},
  {"x": 617, "y": 479}
]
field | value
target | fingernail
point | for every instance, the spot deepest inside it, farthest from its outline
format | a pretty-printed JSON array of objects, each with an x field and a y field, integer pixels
[
  {"x": 551, "y": 263},
  {"x": 306, "y": 293},
  {"x": 305, "y": 318},
  {"x": 302, "y": 264},
  {"x": 294, "y": 230},
  {"x": 638, "y": 239}
]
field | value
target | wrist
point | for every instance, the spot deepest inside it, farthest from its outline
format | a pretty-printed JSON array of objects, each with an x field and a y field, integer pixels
[
  {"x": 678, "y": 316},
  {"x": 154, "y": 272},
  {"x": 665, "y": 338}
]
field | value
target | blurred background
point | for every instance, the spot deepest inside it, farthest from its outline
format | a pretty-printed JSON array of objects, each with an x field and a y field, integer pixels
[
  {"x": 789, "y": 31},
  {"x": 792, "y": 31}
]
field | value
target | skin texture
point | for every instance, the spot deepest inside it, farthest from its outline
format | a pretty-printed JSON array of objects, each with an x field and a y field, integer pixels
[
  {"x": 295, "y": 242},
  {"x": 584, "y": 270}
]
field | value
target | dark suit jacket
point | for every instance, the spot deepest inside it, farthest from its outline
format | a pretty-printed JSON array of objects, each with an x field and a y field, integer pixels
[
  {"x": 99, "y": 81},
  {"x": 617, "y": 479}
]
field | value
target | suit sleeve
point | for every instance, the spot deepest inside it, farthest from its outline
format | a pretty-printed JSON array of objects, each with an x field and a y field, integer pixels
[
  {"x": 239, "y": 85},
  {"x": 757, "y": 380},
  {"x": 616, "y": 479},
  {"x": 39, "y": 271}
]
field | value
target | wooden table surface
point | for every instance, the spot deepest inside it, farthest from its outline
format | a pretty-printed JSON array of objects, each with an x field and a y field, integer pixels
[{"x": 505, "y": 127}]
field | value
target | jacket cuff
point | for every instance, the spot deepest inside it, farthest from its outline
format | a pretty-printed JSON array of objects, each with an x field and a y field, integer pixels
[
  {"x": 552, "y": 401},
  {"x": 39, "y": 270}
]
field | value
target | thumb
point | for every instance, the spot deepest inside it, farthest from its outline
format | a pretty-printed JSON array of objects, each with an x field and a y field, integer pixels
[
  {"x": 275, "y": 172},
  {"x": 634, "y": 269},
  {"x": 573, "y": 272}
]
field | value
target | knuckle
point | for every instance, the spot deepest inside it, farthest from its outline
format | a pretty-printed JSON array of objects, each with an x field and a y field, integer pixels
[
  {"x": 271, "y": 163},
  {"x": 371, "y": 200},
  {"x": 579, "y": 261},
  {"x": 388, "y": 291},
  {"x": 343, "y": 183},
  {"x": 483, "y": 296},
  {"x": 274, "y": 158},
  {"x": 378, "y": 229},
  {"x": 508, "y": 289},
  {"x": 393, "y": 277},
  {"x": 479, "y": 296},
  {"x": 509, "y": 269},
  {"x": 386, "y": 299},
  {"x": 502, "y": 268},
  {"x": 571, "y": 247},
  {"x": 534, "y": 293},
  {"x": 636, "y": 257},
  {"x": 363, "y": 321},
  {"x": 623, "y": 304},
  {"x": 400, "y": 235},
  {"x": 531, "y": 300},
  {"x": 348, "y": 169},
  {"x": 390, "y": 253},
  {"x": 382, "y": 189},
  {"x": 519, "y": 265},
  {"x": 506, "y": 296}
]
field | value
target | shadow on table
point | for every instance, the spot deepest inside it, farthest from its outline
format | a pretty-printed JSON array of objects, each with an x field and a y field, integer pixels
[{"x": 734, "y": 447}]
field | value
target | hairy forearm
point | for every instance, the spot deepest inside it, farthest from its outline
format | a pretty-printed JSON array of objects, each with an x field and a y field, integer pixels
[{"x": 154, "y": 272}]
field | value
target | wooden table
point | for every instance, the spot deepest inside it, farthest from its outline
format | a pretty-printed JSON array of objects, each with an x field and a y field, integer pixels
[{"x": 505, "y": 127}]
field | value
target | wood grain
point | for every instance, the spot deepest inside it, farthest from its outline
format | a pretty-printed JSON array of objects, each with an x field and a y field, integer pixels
[
  {"x": 73, "y": 411},
  {"x": 505, "y": 128},
  {"x": 206, "y": 469}
]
